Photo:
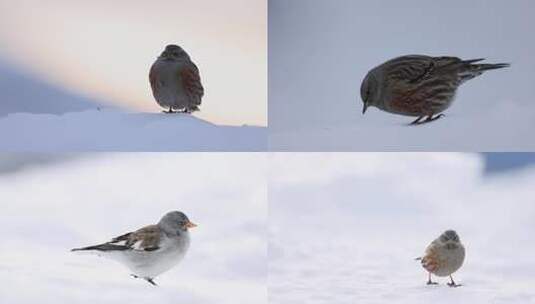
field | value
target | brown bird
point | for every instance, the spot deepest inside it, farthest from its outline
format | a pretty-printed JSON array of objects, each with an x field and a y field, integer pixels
[
  {"x": 175, "y": 81},
  {"x": 419, "y": 85},
  {"x": 444, "y": 256}
]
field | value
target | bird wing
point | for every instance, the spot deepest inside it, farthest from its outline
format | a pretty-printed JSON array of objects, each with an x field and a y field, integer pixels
[
  {"x": 153, "y": 78},
  {"x": 191, "y": 81},
  {"x": 413, "y": 69},
  {"x": 144, "y": 239}
]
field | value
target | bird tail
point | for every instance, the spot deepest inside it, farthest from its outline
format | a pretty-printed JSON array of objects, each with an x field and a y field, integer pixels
[
  {"x": 102, "y": 247},
  {"x": 418, "y": 259},
  {"x": 470, "y": 70}
]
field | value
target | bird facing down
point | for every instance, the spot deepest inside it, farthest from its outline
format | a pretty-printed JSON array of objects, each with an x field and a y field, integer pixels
[
  {"x": 418, "y": 85},
  {"x": 444, "y": 256},
  {"x": 151, "y": 250},
  {"x": 175, "y": 81}
]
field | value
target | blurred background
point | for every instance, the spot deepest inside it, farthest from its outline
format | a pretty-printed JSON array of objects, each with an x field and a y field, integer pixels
[
  {"x": 64, "y": 56},
  {"x": 52, "y": 203},
  {"x": 346, "y": 227}
]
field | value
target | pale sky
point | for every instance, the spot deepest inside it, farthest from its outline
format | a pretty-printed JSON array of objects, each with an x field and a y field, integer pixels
[{"x": 105, "y": 49}]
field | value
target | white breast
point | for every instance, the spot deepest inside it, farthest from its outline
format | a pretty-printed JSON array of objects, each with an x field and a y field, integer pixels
[{"x": 149, "y": 264}]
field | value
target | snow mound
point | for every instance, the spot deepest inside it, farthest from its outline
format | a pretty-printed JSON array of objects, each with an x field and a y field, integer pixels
[{"x": 108, "y": 130}]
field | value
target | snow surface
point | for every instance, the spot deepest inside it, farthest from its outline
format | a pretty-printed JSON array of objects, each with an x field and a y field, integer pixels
[
  {"x": 51, "y": 208},
  {"x": 345, "y": 228},
  {"x": 320, "y": 51},
  {"x": 111, "y": 130}
]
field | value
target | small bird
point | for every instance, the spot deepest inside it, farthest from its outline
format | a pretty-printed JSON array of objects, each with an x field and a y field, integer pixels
[
  {"x": 419, "y": 85},
  {"x": 151, "y": 250},
  {"x": 175, "y": 81},
  {"x": 443, "y": 257}
]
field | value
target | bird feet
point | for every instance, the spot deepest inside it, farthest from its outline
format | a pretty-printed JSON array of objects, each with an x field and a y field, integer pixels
[
  {"x": 452, "y": 284},
  {"x": 431, "y": 283},
  {"x": 429, "y": 119},
  {"x": 150, "y": 280}
]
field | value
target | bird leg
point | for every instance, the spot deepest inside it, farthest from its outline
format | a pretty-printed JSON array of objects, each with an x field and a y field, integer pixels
[
  {"x": 452, "y": 283},
  {"x": 417, "y": 121},
  {"x": 429, "y": 119},
  {"x": 170, "y": 111},
  {"x": 146, "y": 279},
  {"x": 429, "y": 282}
]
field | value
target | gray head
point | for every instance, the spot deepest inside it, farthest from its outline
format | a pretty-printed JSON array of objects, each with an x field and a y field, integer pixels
[
  {"x": 449, "y": 236},
  {"x": 174, "y": 52},
  {"x": 175, "y": 221},
  {"x": 369, "y": 91}
]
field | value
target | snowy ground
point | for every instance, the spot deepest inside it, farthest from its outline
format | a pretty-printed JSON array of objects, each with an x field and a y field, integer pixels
[
  {"x": 503, "y": 127},
  {"x": 345, "y": 228},
  {"x": 112, "y": 130},
  {"x": 49, "y": 209},
  {"x": 320, "y": 51}
]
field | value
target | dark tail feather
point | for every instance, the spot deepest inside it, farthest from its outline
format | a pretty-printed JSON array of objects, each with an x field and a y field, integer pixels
[
  {"x": 470, "y": 70},
  {"x": 485, "y": 67},
  {"x": 102, "y": 247},
  {"x": 472, "y": 60}
]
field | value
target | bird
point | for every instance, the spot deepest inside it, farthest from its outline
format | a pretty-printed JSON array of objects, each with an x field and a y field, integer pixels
[
  {"x": 151, "y": 250},
  {"x": 418, "y": 85},
  {"x": 175, "y": 81},
  {"x": 444, "y": 256}
]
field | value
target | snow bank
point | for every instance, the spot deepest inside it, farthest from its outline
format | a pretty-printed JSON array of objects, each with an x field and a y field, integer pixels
[
  {"x": 118, "y": 131},
  {"x": 346, "y": 228},
  {"x": 50, "y": 209}
]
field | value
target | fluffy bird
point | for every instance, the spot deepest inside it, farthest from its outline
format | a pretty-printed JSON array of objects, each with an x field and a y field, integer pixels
[
  {"x": 419, "y": 85},
  {"x": 175, "y": 81},
  {"x": 151, "y": 250},
  {"x": 443, "y": 257}
]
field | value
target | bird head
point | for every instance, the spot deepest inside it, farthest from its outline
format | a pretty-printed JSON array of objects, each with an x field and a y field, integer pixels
[
  {"x": 450, "y": 236},
  {"x": 173, "y": 52},
  {"x": 368, "y": 91},
  {"x": 176, "y": 221}
]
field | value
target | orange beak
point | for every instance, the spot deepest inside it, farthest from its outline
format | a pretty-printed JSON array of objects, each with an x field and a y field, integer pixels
[{"x": 190, "y": 225}]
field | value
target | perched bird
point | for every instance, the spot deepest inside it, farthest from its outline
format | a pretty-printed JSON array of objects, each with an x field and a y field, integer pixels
[
  {"x": 418, "y": 85},
  {"x": 175, "y": 81},
  {"x": 443, "y": 256},
  {"x": 151, "y": 250}
]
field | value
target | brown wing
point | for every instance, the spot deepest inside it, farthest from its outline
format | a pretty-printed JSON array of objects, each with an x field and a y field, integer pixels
[
  {"x": 145, "y": 239},
  {"x": 191, "y": 81},
  {"x": 153, "y": 78},
  {"x": 413, "y": 69}
]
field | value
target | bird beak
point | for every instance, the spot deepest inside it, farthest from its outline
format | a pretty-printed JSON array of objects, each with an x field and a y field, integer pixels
[
  {"x": 190, "y": 225},
  {"x": 364, "y": 108}
]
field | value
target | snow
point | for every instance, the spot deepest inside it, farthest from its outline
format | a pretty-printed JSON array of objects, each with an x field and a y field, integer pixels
[
  {"x": 53, "y": 207},
  {"x": 113, "y": 130},
  {"x": 320, "y": 51},
  {"x": 345, "y": 228}
]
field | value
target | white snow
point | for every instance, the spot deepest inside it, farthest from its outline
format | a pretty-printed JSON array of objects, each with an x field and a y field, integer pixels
[
  {"x": 111, "y": 130},
  {"x": 345, "y": 228},
  {"x": 49, "y": 209}
]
